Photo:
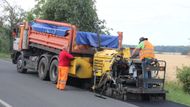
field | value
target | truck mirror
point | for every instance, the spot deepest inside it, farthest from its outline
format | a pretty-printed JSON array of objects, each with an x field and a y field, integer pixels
[{"x": 14, "y": 33}]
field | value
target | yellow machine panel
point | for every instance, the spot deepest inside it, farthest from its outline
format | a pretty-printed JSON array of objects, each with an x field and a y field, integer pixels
[
  {"x": 81, "y": 67},
  {"x": 103, "y": 60},
  {"x": 126, "y": 52}
]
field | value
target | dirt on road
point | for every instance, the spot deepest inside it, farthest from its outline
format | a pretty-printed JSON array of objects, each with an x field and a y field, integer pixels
[{"x": 173, "y": 62}]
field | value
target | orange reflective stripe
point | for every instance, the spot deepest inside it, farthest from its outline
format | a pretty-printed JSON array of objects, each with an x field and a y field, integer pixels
[
  {"x": 62, "y": 81},
  {"x": 146, "y": 53},
  {"x": 148, "y": 49}
]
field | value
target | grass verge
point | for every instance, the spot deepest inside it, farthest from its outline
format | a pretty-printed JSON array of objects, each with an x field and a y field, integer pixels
[
  {"x": 5, "y": 56},
  {"x": 176, "y": 93}
]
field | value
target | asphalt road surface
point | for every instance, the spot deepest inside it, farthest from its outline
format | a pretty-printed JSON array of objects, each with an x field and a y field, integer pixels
[{"x": 27, "y": 90}]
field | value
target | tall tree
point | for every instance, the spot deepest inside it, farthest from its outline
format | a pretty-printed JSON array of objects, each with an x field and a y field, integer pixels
[
  {"x": 12, "y": 15},
  {"x": 4, "y": 40},
  {"x": 81, "y": 13}
]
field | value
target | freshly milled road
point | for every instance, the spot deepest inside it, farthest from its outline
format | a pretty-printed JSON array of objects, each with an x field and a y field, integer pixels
[{"x": 26, "y": 90}]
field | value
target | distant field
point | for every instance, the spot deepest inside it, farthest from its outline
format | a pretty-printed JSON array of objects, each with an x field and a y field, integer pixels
[{"x": 173, "y": 61}]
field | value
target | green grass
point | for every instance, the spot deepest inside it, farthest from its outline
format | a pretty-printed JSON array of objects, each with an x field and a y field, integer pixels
[
  {"x": 176, "y": 93},
  {"x": 4, "y": 56}
]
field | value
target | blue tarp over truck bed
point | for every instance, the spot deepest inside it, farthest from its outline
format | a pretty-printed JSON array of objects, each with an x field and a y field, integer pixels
[
  {"x": 88, "y": 38},
  {"x": 82, "y": 38}
]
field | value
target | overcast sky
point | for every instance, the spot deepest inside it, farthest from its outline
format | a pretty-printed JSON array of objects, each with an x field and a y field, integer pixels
[{"x": 164, "y": 22}]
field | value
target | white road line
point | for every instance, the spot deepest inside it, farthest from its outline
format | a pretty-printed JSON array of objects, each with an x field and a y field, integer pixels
[{"x": 5, "y": 104}]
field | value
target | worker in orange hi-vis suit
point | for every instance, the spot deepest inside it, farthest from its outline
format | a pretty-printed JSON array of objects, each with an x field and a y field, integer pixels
[{"x": 63, "y": 69}]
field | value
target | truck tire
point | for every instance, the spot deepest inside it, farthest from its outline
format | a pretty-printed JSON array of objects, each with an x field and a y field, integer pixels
[
  {"x": 14, "y": 56},
  {"x": 43, "y": 69},
  {"x": 20, "y": 65},
  {"x": 53, "y": 73}
]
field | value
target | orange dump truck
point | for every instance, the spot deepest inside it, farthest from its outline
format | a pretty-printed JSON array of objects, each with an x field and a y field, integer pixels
[{"x": 38, "y": 43}]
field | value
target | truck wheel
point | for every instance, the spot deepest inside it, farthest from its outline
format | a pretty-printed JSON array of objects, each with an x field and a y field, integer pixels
[
  {"x": 20, "y": 65},
  {"x": 43, "y": 69},
  {"x": 53, "y": 73}
]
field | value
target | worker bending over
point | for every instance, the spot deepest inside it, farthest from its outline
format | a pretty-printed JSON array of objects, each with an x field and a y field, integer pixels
[
  {"x": 63, "y": 68},
  {"x": 146, "y": 54}
]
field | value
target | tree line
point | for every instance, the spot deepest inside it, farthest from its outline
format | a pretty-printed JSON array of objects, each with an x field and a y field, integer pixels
[
  {"x": 175, "y": 49},
  {"x": 184, "y": 50}
]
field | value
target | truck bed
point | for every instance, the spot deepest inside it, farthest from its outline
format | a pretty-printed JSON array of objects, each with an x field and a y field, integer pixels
[{"x": 58, "y": 35}]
